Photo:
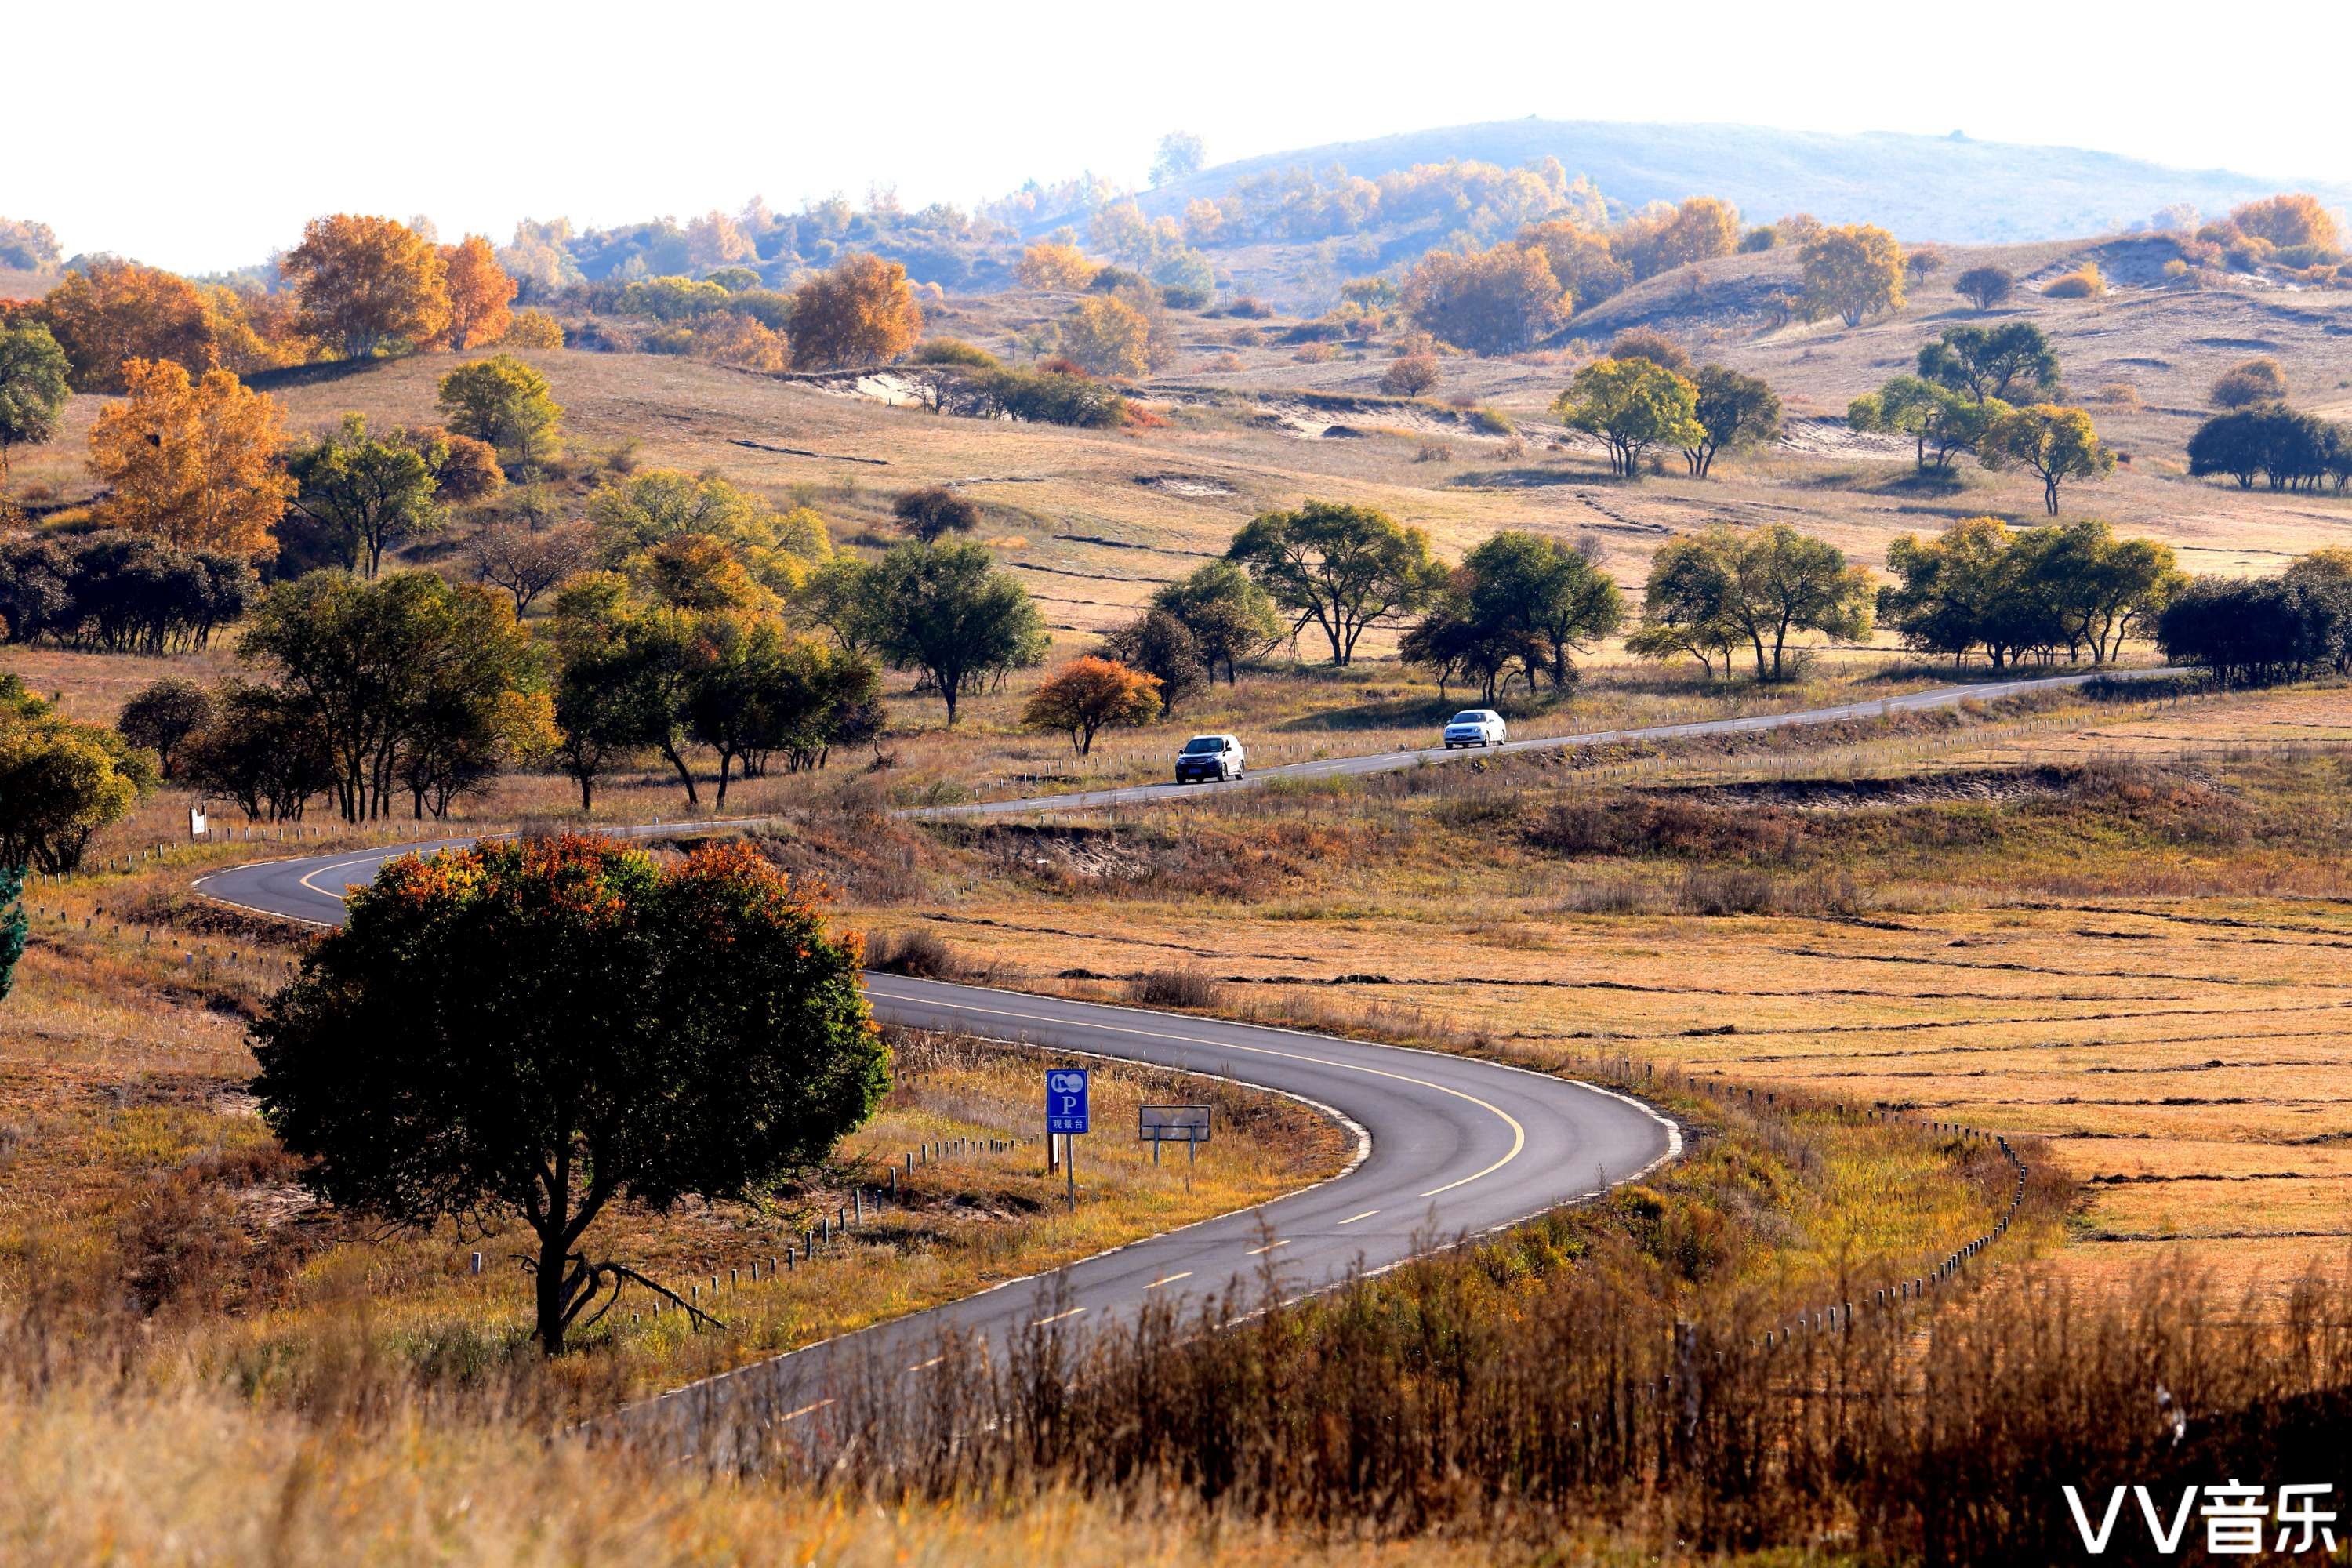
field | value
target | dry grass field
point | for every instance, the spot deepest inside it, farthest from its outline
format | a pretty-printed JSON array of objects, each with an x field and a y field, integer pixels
[{"x": 2120, "y": 927}]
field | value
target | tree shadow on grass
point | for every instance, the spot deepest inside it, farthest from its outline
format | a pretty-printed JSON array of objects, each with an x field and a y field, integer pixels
[{"x": 310, "y": 374}]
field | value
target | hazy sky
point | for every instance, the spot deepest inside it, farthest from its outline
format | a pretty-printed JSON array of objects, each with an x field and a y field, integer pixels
[{"x": 203, "y": 137}]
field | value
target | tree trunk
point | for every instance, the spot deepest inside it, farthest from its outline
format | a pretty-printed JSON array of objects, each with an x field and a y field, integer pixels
[{"x": 685, "y": 774}]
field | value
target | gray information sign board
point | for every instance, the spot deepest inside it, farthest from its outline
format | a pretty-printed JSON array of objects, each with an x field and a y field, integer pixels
[{"x": 1185, "y": 1124}]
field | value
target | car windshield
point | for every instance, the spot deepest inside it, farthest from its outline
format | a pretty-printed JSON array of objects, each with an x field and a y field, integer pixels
[
  {"x": 1470, "y": 716},
  {"x": 1199, "y": 743}
]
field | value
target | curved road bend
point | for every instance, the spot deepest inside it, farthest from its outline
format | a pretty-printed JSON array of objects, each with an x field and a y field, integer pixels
[
  {"x": 1448, "y": 1146},
  {"x": 1445, "y": 1146},
  {"x": 1392, "y": 761}
]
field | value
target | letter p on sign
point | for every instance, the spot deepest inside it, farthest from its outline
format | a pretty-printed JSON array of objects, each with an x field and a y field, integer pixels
[{"x": 1066, "y": 1099}]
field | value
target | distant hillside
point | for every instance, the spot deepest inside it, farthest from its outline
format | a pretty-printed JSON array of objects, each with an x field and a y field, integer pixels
[{"x": 1946, "y": 188}]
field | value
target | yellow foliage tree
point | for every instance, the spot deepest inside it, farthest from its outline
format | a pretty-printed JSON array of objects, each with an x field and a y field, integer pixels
[
  {"x": 1047, "y": 265},
  {"x": 114, "y": 311},
  {"x": 1495, "y": 301},
  {"x": 2289, "y": 219},
  {"x": 532, "y": 329},
  {"x": 252, "y": 331},
  {"x": 193, "y": 463},
  {"x": 479, "y": 292},
  {"x": 1581, "y": 261},
  {"x": 367, "y": 283},
  {"x": 1108, "y": 336},
  {"x": 715, "y": 240},
  {"x": 1853, "y": 272},
  {"x": 1660, "y": 239},
  {"x": 732, "y": 338},
  {"x": 863, "y": 311}
]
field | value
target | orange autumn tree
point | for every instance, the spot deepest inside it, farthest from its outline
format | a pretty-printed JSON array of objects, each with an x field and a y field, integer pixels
[
  {"x": 367, "y": 283},
  {"x": 479, "y": 291},
  {"x": 861, "y": 312},
  {"x": 191, "y": 462},
  {"x": 1086, "y": 695},
  {"x": 112, "y": 311}
]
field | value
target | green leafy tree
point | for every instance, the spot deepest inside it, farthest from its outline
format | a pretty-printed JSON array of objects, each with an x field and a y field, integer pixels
[
  {"x": 1735, "y": 413},
  {"x": 367, "y": 494},
  {"x": 2107, "y": 588},
  {"x": 15, "y": 928},
  {"x": 1159, "y": 645},
  {"x": 533, "y": 1029},
  {"x": 1775, "y": 580},
  {"x": 163, "y": 715},
  {"x": 1686, "y": 603},
  {"x": 60, "y": 781},
  {"x": 33, "y": 387},
  {"x": 1550, "y": 590},
  {"x": 1938, "y": 420},
  {"x": 1854, "y": 272},
  {"x": 505, "y": 403},
  {"x": 1345, "y": 568},
  {"x": 388, "y": 669},
  {"x": 1992, "y": 362},
  {"x": 947, "y": 611},
  {"x": 1955, "y": 591},
  {"x": 1230, "y": 617},
  {"x": 935, "y": 512},
  {"x": 2322, "y": 583},
  {"x": 1633, "y": 405},
  {"x": 263, "y": 750},
  {"x": 1454, "y": 639},
  {"x": 2053, "y": 443}
]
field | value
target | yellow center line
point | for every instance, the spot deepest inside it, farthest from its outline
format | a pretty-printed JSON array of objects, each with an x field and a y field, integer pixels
[
  {"x": 1354, "y": 1217},
  {"x": 1518, "y": 1134},
  {"x": 927, "y": 1365},
  {"x": 806, "y": 1409},
  {"x": 1269, "y": 1247},
  {"x": 338, "y": 865},
  {"x": 1169, "y": 1279},
  {"x": 1057, "y": 1317}
]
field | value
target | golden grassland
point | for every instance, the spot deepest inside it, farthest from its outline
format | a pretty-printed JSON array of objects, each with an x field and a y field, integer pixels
[
  {"x": 193, "y": 1474},
  {"x": 2137, "y": 954},
  {"x": 384, "y": 1459}
]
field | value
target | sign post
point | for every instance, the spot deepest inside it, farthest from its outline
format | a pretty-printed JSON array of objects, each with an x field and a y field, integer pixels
[
  {"x": 1065, "y": 1114},
  {"x": 1185, "y": 1124}
]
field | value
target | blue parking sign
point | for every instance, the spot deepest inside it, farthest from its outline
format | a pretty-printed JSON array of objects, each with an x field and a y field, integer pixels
[{"x": 1066, "y": 1099}]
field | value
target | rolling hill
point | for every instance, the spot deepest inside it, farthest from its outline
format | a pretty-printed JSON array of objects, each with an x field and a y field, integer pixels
[{"x": 1950, "y": 188}]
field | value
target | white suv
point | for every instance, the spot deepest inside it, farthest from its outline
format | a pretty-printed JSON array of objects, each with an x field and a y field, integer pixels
[
  {"x": 1207, "y": 757},
  {"x": 1476, "y": 727}
]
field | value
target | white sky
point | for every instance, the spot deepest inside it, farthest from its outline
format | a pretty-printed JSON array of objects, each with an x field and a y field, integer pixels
[{"x": 203, "y": 137}]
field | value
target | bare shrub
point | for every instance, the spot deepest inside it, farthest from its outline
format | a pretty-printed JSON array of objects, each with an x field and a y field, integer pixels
[
  {"x": 916, "y": 952},
  {"x": 1173, "y": 988},
  {"x": 1409, "y": 376}
]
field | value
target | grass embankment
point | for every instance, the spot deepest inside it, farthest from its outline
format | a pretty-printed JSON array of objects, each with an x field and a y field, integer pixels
[{"x": 374, "y": 1458}]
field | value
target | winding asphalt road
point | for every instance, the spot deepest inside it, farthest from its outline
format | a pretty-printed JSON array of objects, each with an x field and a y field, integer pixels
[
  {"x": 1392, "y": 761},
  {"x": 1445, "y": 1146}
]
